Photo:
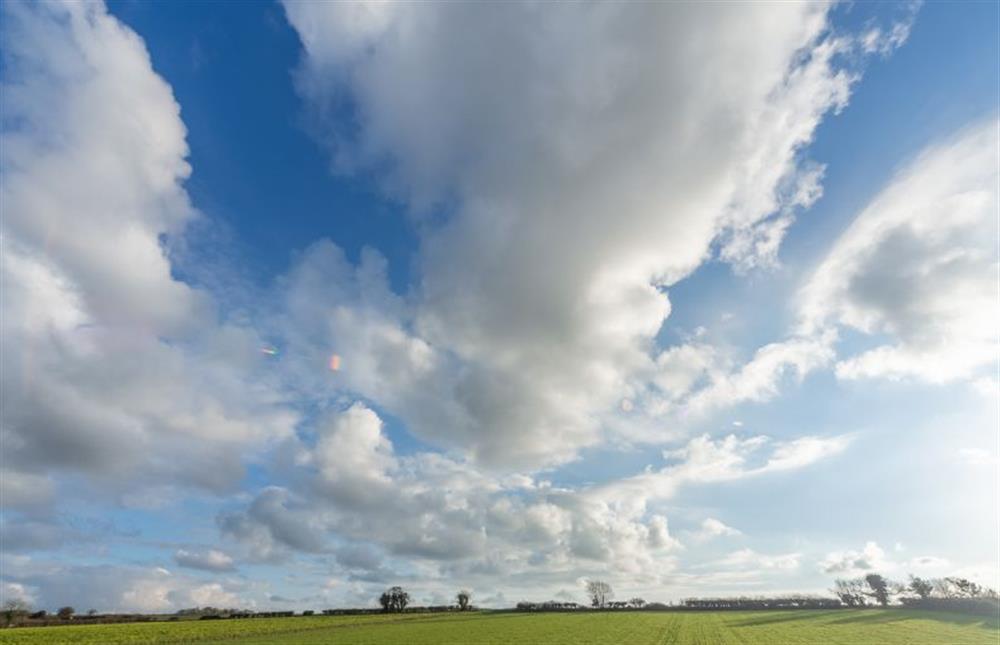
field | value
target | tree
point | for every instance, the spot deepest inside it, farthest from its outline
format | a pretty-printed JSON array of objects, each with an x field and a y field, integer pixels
[
  {"x": 14, "y": 609},
  {"x": 394, "y": 599},
  {"x": 879, "y": 588},
  {"x": 600, "y": 593},
  {"x": 65, "y": 613},
  {"x": 965, "y": 588},
  {"x": 638, "y": 603},
  {"x": 463, "y": 598},
  {"x": 921, "y": 587},
  {"x": 851, "y": 592}
]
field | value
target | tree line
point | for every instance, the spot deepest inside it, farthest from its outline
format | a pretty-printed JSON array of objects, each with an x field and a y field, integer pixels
[
  {"x": 950, "y": 593},
  {"x": 395, "y": 600},
  {"x": 872, "y": 590}
]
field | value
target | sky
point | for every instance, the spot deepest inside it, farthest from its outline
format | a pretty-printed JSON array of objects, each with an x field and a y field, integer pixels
[{"x": 302, "y": 300}]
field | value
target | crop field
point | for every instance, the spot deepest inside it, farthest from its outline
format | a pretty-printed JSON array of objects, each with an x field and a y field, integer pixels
[{"x": 884, "y": 627}]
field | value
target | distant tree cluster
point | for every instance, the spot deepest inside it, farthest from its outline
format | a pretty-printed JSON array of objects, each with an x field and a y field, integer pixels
[
  {"x": 549, "y": 605},
  {"x": 394, "y": 600},
  {"x": 943, "y": 593},
  {"x": 762, "y": 602},
  {"x": 15, "y": 610}
]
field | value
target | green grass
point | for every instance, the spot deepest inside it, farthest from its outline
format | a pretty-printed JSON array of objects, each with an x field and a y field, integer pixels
[{"x": 847, "y": 627}]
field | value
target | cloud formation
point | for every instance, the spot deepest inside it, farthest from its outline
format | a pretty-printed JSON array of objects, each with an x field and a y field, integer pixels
[
  {"x": 207, "y": 560},
  {"x": 113, "y": 368},
  {"x": 115, "y": 588},
  {"x": 918, "y": 267},
  {"x": 375, "y": 509},
  {"x": 584, "y": 166}
]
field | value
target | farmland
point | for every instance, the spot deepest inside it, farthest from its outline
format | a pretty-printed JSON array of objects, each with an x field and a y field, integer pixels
[{"x": 845, "y": 627}]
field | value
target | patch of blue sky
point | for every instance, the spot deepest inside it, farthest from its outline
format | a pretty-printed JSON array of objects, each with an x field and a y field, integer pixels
[{"x": 256, "y": 168}]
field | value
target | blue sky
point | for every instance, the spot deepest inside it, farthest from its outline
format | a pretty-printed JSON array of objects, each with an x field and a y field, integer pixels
[{"x": 697, "y": 300}]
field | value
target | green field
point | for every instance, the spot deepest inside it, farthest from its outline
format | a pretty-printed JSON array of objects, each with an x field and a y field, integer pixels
[{"x": 882, "y": 627}]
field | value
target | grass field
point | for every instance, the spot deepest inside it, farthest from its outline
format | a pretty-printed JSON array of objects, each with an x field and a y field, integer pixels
[{"x": 881, "y": 627}]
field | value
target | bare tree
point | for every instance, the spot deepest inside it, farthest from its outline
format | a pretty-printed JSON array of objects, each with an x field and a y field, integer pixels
[
  {"x": 14, "y": 609},
  {"x": 638, "y": 603},
  {"x": 964, "y": 588},
  {"x": 463, "y": 598},
  {"x": 851, "y": 592},
  {"x": 600, "y": 593}
]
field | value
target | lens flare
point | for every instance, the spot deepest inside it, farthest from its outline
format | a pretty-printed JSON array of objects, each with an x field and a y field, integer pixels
[
  {"x": 335, "y": 362},
  {"x": 270, "y": 351}
]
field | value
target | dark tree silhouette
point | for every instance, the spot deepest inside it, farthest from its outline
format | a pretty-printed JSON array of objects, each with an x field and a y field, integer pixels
[
  {"x": 638, "y": 603},
  {"x": 463, "y": 598},
  {"x": 600, "y": 593},
  {"x": 921, "y": 587},
  {"x": 394, "y": 599},
  {"x": 65, "y": 613},
  {"x": 879, "y": 588},
  {"x": 963, "y": 588},
  {"x": 851, "y": 592}
]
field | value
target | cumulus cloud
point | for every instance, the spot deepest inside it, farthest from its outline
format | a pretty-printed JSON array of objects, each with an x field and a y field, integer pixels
[
  {"x": 750, "y": 559},
  {"x": 116, "y": 588},
  {"x": 112, "y": 366},
  {"x": 17, "y": 591},
  {"x": 872, "y": 558},
  {"x": 868, "y": 559},
  {"x": 564, "y": 171},
  {"x": 712, "y": 528},
  {"x": 275, "y": 522},
  {"x": 208, "y": 560},
  {"x": 697, "y": 378},
  {"x": 919, "y": 267},
  {"x": 462, "y": 523},
  {"x": 583, "y": 168}
]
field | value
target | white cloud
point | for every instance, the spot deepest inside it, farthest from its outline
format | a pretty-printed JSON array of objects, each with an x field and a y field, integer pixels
[
  {"x": 869, "y": 559},
  {"x": 462, "y": 523},
  {"x": 17, "y": 591},
  {"x": 978, "y": 457},
  {"x": 919, "y": 266},
  {"x": 873, "y": 559},
  {"x": 703, "y": 460},
  {"x": 718, "y": 385},
  {"x": 712, "y": 528},
  {"x": 112, "y": 366},
  {"x": 585, "y": 168},
  {"x": 354, "y": 459},
  {"x": 208, "y": 560},
  {"x": 116, "y": 588},
  {"x": 752, "y": 560}
]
